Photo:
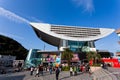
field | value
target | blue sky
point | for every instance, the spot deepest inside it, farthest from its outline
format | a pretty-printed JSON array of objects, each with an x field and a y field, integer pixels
[{"x": 15, "y": 16}]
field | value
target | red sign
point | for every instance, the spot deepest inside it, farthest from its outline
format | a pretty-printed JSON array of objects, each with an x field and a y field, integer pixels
[{"x": 113, "y": 61}]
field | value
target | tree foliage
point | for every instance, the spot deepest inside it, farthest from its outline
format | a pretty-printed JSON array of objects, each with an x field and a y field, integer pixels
[
  {"x": 9, "y": 46},
  {"x": 67, "y": 54},
  {"x": 93, "y": 56}
]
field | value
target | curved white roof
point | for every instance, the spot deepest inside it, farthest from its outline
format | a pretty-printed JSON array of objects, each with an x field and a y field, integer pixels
[{"x": 52, "y": 34}]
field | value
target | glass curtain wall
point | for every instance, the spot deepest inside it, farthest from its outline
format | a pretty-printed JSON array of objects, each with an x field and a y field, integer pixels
[
  {"x": 78, "y": 46},
  {"x": 33, "y": 58}
]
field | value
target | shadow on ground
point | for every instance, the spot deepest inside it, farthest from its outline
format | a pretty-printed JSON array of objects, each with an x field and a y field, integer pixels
[{"x": 19, "y": 77}]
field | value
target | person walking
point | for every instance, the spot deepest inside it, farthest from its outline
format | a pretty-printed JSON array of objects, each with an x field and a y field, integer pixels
[
  {"x": 19, "y": 66},
  {"x": 71, "y": 71},
  {"x": 41, "y": 69},
  {"x": 75, "y": 70},
  {"x": 50, "y": 69},
  {"x": 57, "y": 73},
  {"x": 31, "y": 70},
  {"x": 37, "y": 71}
]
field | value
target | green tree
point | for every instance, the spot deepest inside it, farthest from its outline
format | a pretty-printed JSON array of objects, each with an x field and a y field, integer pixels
[
  {"x": 93, "y": 56},
  {"x": 67, "y": 54},
  {"x": 9, "y": 46}
]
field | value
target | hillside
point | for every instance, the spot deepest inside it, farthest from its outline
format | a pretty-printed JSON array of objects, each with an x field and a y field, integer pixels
[{"x": 9, "y": 46}]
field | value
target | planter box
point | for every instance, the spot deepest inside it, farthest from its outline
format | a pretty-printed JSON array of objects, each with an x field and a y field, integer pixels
[{"x": 94, "y": 68}]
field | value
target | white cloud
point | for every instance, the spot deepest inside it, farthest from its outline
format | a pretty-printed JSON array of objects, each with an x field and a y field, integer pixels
[
  {"x": 12, "y": 16},
  {"x": 86, "y": 4}
]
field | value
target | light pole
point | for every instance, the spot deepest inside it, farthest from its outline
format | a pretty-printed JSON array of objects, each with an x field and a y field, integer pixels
[{"x": 118, "y": 33}]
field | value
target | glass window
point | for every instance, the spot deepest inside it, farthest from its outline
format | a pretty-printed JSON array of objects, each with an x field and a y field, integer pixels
[{"x": 77, "y": 45}]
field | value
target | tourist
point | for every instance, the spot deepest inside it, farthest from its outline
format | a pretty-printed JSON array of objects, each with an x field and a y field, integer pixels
[
  {"x": 41, "y": 69},
  {"x": 57, "y": 73},
  {"x": 19, "y": 66},
  {"x": 37, "y": 71},
  {"x": 75, "y": 70},
  {"x": 31, "y": 70},
  {"x": 71, "y": 71},
  {"x": 50, "y": 69}
]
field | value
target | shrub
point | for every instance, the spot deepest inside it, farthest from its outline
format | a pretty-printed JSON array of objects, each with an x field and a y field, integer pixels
[
  {"x": 65, "y": 68},
  {"x": 97, "y": 65}
]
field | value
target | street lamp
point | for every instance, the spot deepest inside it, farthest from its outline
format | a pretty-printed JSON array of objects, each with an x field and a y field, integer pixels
[{"x": 118, "y": 33}]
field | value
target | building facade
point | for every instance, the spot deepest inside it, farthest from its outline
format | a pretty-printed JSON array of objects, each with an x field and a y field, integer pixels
[
  {"x": 36, "y": 57},
  {"x": 77, "y": 38},
  {"x": 7, "y": 60}
]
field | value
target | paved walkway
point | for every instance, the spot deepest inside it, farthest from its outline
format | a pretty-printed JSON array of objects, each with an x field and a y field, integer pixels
[
  {"x": 115, "y": 71},
  {"x": 103, "y": 74},
  {"x": 26, "y": 76},
  {"x": 100, "y": 74}
]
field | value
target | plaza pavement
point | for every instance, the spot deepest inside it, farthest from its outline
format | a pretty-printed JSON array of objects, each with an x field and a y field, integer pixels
[
  {"x": 100, "y": 74},
  {"x": 26, "y": 76},
  {"x": 103, "y": 74},
  {"x": 115, "y": 71}
]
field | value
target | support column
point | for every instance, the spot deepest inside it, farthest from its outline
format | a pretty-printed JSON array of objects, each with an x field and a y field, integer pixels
[{"x": 63, "y": 44}]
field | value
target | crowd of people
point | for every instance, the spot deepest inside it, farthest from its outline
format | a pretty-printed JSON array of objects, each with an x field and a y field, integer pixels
[
  {"x": 39, "y": 70},
  {"x": 79, "y": 68},
  {"x": 74, "y": 69}
]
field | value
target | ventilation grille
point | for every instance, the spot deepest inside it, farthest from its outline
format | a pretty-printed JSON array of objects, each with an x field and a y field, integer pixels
[{"x": 75, "y": 31}]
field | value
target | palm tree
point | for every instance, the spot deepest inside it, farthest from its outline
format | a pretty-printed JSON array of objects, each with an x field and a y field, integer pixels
[
  {"x": 67, "y": 54},
  {"x": 93, "y": 56}
]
